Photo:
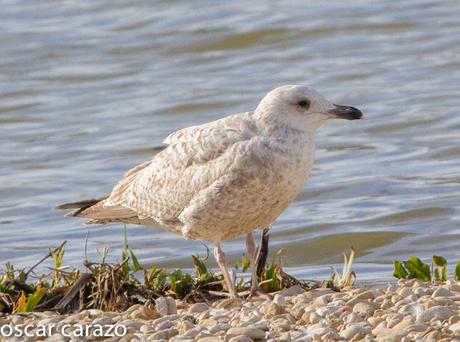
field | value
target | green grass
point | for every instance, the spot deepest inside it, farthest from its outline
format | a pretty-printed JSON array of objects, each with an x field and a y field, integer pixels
[{"x": 415, "y": 268}]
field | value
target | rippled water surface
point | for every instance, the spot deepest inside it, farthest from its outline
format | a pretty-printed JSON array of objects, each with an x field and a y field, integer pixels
[{"x": 89, "y": 89}]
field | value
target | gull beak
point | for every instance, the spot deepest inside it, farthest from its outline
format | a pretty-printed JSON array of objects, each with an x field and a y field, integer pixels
[{"x": 345, "y": 112}]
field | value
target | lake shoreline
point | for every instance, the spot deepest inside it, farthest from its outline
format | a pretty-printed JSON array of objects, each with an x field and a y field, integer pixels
[{"x": 406, "y": 310}]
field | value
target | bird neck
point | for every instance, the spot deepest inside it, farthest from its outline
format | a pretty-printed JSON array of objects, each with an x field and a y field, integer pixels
[{"x": 279, "y": 130}]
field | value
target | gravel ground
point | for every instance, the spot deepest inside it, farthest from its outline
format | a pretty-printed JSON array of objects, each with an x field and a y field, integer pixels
[{"x": 406, "y": 311}]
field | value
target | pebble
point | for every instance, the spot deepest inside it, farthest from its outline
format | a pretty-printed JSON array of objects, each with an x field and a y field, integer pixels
[
  {"x": 441, "y": 292},
  {"x": 363, "y": 308},
  {"x": 294, "y": 291},
  {"x": 279, "y": 300},
  {"x": 355, "y": 329},
  {"x": 272, "y": 309},
  {"x": 255, "y": 334},
  {"x": 455, "y": 327},
  {"x": 145, "y": 313},
  {"x": 241, "y": 338},
  {"x": 436, "y": 312},
  {"x": 405, "y": 311},
  {"x": 210, "y": 339},
  {"x": 453, "y": 286},
  {"x": 165, "y": 305},
  {"x": 198, "y": 308}
]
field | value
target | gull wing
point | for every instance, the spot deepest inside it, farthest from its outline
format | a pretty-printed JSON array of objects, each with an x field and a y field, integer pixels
[{"x": 159, "y": 190}]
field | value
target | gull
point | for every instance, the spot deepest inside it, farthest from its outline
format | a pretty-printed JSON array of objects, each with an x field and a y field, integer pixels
[{"x": 225, "y": 178}]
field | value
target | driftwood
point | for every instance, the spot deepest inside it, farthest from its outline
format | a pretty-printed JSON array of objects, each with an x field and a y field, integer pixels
[{"x": 77, "y": 288}]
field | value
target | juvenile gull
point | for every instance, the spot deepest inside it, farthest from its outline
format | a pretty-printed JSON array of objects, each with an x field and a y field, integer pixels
[{"x": 225, "y": 178}]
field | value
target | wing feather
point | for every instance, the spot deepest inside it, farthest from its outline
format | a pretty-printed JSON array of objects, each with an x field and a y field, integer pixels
[{"x": 195, "y": 158}]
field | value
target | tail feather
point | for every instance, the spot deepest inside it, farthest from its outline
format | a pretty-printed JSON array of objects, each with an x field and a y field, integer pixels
[
  {"x": 79, "y": 206},
  {"x": 96, "y": 212}
]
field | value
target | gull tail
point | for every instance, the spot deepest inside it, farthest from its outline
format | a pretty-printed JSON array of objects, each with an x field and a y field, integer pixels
[
  {"x": 79, "y": 207},
  {"x": 95, "y": 211}
]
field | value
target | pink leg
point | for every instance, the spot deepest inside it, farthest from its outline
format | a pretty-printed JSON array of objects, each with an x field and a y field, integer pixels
[
  {"x": 256, "y": 291},
  {"x": 220, "y": 259}
]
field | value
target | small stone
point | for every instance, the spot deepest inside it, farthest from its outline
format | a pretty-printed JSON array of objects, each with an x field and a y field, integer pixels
[
  {"x": 404, "y": 324},
  {"x": 382, "y": 326},
  {"x": 396, "y": 298},
  {"x": 353, "y": 318},
  {"x": 48, "y": 321},
  {"x": 354, "y": 330},
  {"x": 281, "y": 324},
  {"x": 326, "y": 310},
  {"x": 390, "y": 335},
  {"x": 164, "y": 334},
  {"x": 272, "y": 309},
  {"x": 192, "y": 333},
  {"x": 441, "y": 292},
  {"x": 410, "y": 299},
  {"x": 292, "y": 291},
  {"x": 229, "y": 303},
  {"x": 261, "y": 325},
  {"x": 374, "y": 321},
  {"x": 360, "y": 297},
  {"x": 453, "y": 286},
  {"x": 172, "y": 339},
  {"x": 208, "y": 322},
  {"x": 391, "y": 288},
  {"x": 420, "y": 291},
  {"x": 255, "y": 334},
  {"x": 165, "y": 305},
  {"x": 285, "y": 337},
  {"x": 146, "y": 329},
  {"x": 210, "y": 339},
  {"x": 436, "y": 312},
  {"x": 297, "y": 311},
  {"x": 386, "y": 304},
  {"x": 164, "y": 325},
  {"x": 322, "y": 331},
  {"x": 417, "y": 327},
  {"x": 145, "y": 313},
  {"x": 219, "y": 327},
  {"x": 433, "y": 336},
  {"x": 127, "y": 338},
  {"x": 454, "y": 319},
  {"x": 279, "y": 300},
  {"x": 314, "y": 318},
  {"x": 163, "y": 319},
  {"x": 198, "y": 308},
  {"x": 103, "y": 321},
  {"x": 185, "y": 325},
  {"x": 241, "y": 338},
  {"x": 363, "y": 308},
  {"x": 132, "y": 324},
  {"x": 56, "y": 338},
  {"x": 455, "y": 327},
  {"x": 412, "y": 309},
  {"x": 321, "y": 300},
  {"x": 404, "y": 291}
]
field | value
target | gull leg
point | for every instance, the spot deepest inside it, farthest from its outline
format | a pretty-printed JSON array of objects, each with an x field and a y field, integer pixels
[
  {"x": 220, "y": 259},
  {"x": 256, "y": 291}
]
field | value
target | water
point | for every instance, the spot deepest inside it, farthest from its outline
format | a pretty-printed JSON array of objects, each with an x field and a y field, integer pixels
[{"x": 90, "y": 89}]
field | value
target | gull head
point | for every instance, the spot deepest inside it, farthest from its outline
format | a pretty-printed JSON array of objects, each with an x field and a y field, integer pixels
[{"x": 302, "y": 108}]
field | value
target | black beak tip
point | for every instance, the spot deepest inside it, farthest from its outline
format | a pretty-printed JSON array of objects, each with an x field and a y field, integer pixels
[
  {"x": 347, "y": 112},
  {"x": 355, "y": 114}
]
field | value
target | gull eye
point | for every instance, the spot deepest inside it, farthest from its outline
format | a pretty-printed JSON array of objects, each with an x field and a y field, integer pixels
[{"x": 304, "y": 104}]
